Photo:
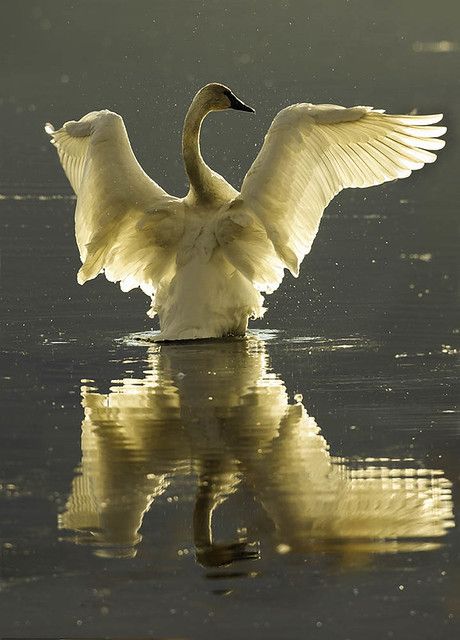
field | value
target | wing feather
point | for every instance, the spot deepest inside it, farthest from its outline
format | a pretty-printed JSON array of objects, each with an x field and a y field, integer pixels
[
  {"x": 125, "y": 224},
  {"x": 310, "y": 153}
]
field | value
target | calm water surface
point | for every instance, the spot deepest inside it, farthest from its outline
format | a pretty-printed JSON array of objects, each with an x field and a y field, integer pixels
[{"x": 300, "y": 483}]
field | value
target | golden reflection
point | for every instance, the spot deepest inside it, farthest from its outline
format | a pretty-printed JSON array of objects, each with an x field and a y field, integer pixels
[{"x": 214, "y": 411}]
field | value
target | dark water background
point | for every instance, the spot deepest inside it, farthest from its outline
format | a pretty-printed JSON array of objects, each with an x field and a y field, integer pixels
[{"x": 367, "y": 335}]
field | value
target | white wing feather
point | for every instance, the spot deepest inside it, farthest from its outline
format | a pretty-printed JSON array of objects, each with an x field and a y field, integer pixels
[
  {"x": 125, "y": 223},
  {"x": 310, "y": 153}
]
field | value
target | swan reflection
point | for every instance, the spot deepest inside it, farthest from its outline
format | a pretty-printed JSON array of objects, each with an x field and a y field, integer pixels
[{"x": 214, "y": 411}]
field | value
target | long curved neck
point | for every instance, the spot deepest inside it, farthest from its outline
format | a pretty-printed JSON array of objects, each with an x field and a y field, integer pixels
[{"x": 198, "y": 171}]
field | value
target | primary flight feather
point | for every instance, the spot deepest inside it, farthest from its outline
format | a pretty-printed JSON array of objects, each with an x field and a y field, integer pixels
[{"x": 206, "y": 258}]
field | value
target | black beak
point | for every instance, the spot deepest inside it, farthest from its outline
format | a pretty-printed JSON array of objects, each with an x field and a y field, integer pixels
[{"x": 235, "y": 103}]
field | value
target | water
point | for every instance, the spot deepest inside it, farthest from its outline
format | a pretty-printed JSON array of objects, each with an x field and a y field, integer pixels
[{"x": 302, "y": 482}]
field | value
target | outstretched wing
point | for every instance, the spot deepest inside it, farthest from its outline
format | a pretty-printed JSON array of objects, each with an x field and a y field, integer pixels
[
  {"x": 310, "y": 153},
  {"x": 125, "y": 224}
]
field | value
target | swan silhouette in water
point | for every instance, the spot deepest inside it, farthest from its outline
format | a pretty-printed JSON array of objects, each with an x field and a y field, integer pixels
[
  {"x": 216, "y": 413},
  {"x": 205, "y": 259}
]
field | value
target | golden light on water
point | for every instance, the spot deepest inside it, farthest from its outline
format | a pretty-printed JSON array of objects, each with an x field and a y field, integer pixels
[{"x": 440, "y": 46}]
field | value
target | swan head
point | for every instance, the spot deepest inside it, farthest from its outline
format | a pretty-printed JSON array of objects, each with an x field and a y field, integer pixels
[{"x": 217, "y": 97}]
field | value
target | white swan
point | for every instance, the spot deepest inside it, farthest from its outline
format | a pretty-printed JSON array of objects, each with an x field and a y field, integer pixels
[{"x": 206, "y": 258}]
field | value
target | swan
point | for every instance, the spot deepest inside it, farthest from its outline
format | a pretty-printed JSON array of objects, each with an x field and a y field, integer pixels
[{"x": 206, "y": 259}]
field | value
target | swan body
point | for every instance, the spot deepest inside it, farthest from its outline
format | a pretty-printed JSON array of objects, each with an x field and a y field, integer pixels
[{"x": 206, "y": 258}]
